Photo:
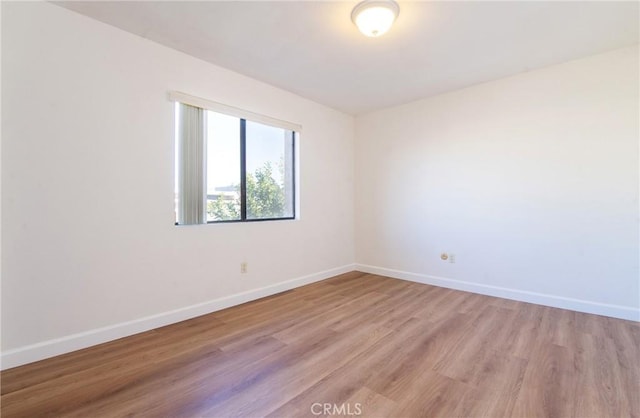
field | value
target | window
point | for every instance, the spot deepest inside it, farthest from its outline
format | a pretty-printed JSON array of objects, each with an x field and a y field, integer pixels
[{"x": 232, "y": 169}]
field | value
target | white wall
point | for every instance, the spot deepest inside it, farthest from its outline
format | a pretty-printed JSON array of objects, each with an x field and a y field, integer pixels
[
  {"x": 531, "y": 181},
  {"x": 87, "y": 183}
]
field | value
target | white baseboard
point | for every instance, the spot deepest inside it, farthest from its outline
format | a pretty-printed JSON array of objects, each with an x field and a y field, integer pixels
[
  {"x": 51, "y": 348},
  {"x": 615, "y": 311}
]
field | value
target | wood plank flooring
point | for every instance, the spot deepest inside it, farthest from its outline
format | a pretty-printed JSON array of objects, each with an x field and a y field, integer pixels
[{"x": 356, "y": 343}]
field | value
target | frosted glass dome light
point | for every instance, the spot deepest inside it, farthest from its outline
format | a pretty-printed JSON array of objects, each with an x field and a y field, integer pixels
[{"x": 375, "y": 17}]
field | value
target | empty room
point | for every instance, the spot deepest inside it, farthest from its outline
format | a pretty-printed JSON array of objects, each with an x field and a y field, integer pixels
[{"x": 320, "y": 208}]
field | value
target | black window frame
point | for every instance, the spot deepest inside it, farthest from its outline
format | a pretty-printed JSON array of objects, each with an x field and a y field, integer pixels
[{"x": 243, "y": 178}]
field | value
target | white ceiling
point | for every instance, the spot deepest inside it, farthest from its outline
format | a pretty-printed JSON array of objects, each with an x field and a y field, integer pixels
[{"x": 313, "y": 49}]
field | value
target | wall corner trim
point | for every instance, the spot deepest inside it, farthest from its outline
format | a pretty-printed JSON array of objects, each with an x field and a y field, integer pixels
[
  {"x": 50, "y": 348},
  {"x": 614, "y": 311}
]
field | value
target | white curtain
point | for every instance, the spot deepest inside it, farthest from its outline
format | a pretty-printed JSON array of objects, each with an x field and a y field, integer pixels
[{"x": 192, "y": 166}]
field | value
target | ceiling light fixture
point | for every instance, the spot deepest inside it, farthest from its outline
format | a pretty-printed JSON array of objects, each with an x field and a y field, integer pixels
[{"x": 375, "y": 17}]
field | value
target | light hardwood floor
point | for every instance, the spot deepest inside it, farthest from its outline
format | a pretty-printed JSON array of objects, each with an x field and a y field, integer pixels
[{"x": 364, "y": 343}]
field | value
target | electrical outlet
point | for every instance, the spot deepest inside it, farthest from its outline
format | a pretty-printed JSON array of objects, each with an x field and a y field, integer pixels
[
  {"x": 243, "y": 267},
  {"x": 452, "y": 258}
]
